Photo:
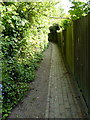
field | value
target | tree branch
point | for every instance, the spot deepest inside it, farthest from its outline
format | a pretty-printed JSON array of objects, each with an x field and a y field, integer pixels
[{"x": 56, "y": 17}]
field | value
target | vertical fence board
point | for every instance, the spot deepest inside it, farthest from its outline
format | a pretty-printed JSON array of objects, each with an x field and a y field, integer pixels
[
  {"x": 88, "y": 65},
  {"x": 70, "y": 48}
]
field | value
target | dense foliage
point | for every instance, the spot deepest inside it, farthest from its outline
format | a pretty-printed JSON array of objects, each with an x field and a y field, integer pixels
[
  {"x": 24, "y": 31},
  {"x": 79, "y": 9}
]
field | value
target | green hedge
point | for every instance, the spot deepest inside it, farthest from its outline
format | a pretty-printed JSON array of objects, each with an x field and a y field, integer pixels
[{"x": 23, "y": 40}]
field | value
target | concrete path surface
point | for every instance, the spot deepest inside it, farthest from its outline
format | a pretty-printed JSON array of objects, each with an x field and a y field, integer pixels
[
  {"x": 52, "y": 95},
  {"x": 61, "y": 101}
]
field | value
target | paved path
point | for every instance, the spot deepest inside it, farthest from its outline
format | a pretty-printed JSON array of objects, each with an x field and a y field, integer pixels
[
  {"x": 61, "y": 101},
  {"x": 53, "y": 79},
  {"x": 31, "y": 105}
]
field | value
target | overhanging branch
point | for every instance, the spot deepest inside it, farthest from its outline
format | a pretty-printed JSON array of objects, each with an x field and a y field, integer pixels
[{"x": 55, "y": 17}]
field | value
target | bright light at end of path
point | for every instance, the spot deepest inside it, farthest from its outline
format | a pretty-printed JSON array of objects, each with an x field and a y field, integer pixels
[{"x": 66, "y": 5}]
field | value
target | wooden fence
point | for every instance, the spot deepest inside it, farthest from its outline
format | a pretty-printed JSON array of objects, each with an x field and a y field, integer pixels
[{"x": 74, "y": 44}]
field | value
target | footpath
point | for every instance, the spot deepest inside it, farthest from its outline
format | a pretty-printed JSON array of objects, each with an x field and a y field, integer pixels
[
  {"x": 62, "y": 102},
  {"x": 52, "y": 94}
]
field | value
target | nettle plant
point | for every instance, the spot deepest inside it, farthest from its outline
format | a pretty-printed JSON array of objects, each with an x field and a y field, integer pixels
[{"x": 79, "y": 9}]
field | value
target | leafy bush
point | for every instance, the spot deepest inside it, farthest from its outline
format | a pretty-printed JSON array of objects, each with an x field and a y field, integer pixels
[
  {"x": 23, "y": 40},
  {"x": 12, "y": 94},
  {"x": 24, "y": 37},
  {"x": 66, "y": 23},
  {"x": 79, "y": 9}
]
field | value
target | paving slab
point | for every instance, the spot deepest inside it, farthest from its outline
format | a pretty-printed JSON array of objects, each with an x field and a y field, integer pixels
[{"x": 61, "y": 99}]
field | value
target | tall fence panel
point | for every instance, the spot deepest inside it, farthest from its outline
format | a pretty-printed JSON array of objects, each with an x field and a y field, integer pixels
[
  {"x": 81, "y": 58},
  {"x": 75, "y": 48}
]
